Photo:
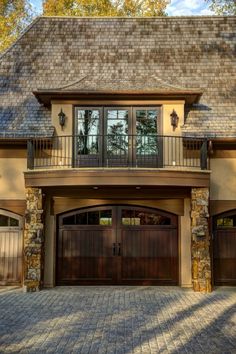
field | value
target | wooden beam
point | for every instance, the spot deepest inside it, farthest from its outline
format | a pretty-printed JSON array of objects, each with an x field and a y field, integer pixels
[
  {"x": 17, "y": 206},
  {"x": 128, "y": 177}
]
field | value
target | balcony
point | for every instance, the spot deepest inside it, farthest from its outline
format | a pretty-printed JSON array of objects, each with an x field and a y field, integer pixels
[{"x": 118, "y": 152}]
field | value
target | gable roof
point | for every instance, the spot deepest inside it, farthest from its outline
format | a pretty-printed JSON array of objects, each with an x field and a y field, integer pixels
[{"x": 72, "y": 54}]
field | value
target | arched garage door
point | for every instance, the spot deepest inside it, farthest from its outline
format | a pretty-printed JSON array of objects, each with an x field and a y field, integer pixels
[
  {"x": 224, "y": 249},
  {"x": 11, "y": 248},
  {"x": 117, "y": 245}
]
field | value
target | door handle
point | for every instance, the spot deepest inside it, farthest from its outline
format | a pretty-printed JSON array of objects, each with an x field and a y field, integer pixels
[
  {"x": 114, "y": 249},
  {"x": 118, "y": 249}
]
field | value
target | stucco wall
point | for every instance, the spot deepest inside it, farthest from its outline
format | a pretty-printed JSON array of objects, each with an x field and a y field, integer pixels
[
  {"x": 12, "y": 184},
  {"x": 167, "y": 110},
  {"x": 223, "y": 179},
  {"x": 185, "y": 246},
  {"x": 50, "y": 246},
  {"x": 68, "y": 110}
]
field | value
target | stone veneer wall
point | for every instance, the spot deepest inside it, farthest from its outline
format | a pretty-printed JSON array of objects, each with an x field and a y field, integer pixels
[
  {"x": 33, "y": 240},
  {"x": 201, "y": 261}
]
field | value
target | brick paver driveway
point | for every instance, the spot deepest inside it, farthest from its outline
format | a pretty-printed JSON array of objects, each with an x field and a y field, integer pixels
[{"x": 117, "y": 320}]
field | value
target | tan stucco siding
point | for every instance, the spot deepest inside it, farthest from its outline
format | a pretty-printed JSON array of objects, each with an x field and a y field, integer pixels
[
  {"x": 50, "y": 246},
  {"x": 223, "y": 179},
  {"x": 12, "y": 185},
  {"x": 167, "y": 109},
  {"x": 185, "y": 246},
  {"x": 68, "y": 110}
]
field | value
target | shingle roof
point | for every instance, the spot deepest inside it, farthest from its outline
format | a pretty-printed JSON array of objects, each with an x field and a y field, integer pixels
[{"x": 131, "y": 53}]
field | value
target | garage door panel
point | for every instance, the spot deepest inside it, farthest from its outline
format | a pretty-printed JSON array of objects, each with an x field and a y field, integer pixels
[
  {"x": 86, "y": 268},
  {"x": 84, "y": 254},
  {"x": 137, "y": 246},
  {"x": 10, "y": 253},
  {"x": 149, "y": 254},
  {"x": 148, "y": 243},
  {"x": 147, "y": 268},
  {"x": 225, "y": 270},
  {"x": 224, "y": 246}
]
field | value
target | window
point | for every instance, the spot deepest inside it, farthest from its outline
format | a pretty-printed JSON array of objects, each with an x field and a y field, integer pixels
[
  {"x": 88, "y": 122},
  {"x": 117, "y": 136},
  {"x": 98, "y": 217},
  {"x": 6, "y": 221},
  {"x": 139, "y": 217},
  {"x": 227, "y": 221}
]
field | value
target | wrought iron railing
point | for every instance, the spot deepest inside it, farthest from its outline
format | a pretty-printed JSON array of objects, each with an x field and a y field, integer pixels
[{"x": 147, "y": 151}]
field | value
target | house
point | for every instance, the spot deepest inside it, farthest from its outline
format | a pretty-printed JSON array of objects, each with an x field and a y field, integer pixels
[{"x": 118, "y": 153}]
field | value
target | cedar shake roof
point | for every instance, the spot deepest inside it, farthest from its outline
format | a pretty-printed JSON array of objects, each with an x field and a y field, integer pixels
[{"x": 71, "y": 55}]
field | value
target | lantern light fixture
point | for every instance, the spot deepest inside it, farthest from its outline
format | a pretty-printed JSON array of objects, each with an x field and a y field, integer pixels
[
  {"x": 174, "y": 119},
  {"x": 62, "y": 119}
]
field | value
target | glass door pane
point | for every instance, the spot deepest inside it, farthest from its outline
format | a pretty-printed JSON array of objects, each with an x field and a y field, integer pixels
[
  {"x": 148, "y": 143},
  {"x": 116, "y": 137},
  {"x": 87, "y": 138}
]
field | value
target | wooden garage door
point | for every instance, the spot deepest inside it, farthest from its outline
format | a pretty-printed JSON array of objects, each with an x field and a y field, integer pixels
[
  {"x": 117, "y": 245},
  {"x": 10, "y": 248},
  {"x": 224, "y": 249}
]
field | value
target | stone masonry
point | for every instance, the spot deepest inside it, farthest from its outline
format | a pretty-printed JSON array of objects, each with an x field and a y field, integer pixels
[
  {"x": 33, "y": 240},
  {"x": 201, "y": 262}
]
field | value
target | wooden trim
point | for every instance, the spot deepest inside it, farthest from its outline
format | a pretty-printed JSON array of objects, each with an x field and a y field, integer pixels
[
  {"x": 62, "y": 205},
  {"x": 221, "y": 206},
  {"x": 13, "y": 141},
  {"x": 128, "y": 177},
  {"x": 15, "y": 206},
  {"x": 224, "y": 154},
  {"x": 13, "y": 151},
  {"x": 189, "y": 96},
  {"x": 116, "y": 102},
  {"x": 120, "y": 192},
  {"x": 223, "y": 141}
]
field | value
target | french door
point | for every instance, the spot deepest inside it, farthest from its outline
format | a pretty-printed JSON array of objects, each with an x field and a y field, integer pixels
[
  {"x": 117, "y": 245},
  {"x": 118, "y": 137}
]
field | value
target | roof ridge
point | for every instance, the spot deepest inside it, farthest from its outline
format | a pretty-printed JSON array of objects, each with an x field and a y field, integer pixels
[
  {"x": 140, "y": 17},
  {"x": 20, "y": 36}
]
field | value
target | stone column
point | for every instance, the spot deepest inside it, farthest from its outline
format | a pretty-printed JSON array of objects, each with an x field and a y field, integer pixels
[
  {"x": 201, "y": 261},
  {"x": 33, "y": 240}
]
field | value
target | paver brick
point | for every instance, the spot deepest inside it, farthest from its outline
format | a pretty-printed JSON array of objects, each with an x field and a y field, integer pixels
[{"x": 118, "y": 320}]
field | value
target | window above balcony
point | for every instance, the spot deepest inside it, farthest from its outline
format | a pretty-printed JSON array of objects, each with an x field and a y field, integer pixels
[{"x": 117, "y": 136}]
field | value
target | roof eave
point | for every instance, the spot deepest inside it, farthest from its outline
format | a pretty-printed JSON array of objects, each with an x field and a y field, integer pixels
[{"x": 46, "y": 96}]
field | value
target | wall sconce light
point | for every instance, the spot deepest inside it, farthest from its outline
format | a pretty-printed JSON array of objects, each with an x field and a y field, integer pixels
[
  {"x": 174, "y": 119},
  {"x": 62, "y": 119}
]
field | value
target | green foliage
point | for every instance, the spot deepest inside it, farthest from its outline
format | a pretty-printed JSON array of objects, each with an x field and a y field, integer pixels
[
  {"x": 223, "y": 7},
  {"x": 14, "y": 17},
  {"x": 104, "y": 7}
]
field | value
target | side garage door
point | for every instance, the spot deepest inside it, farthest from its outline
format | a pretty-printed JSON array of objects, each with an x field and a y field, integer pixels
[
  {"x": 11, "y": 247},
  {"x": 224, "y": 249},
  {"x": 117, "y": 245}
]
